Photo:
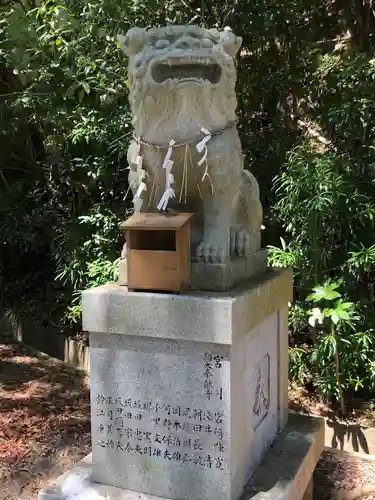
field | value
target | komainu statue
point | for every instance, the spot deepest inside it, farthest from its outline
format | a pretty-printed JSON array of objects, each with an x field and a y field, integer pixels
[{"x": 186, "y": 150}]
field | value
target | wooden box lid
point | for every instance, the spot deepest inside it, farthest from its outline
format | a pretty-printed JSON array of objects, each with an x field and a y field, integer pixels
[{"x": 155, "y": 221}]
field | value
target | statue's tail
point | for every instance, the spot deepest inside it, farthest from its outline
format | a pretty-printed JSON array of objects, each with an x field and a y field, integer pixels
[
  {"x": 251, "y": 180},
  {"x": 251, "y": 200}
]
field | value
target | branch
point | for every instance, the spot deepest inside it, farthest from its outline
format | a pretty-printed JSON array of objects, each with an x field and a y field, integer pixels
[
  {"x": 4, "y": 180},
  {"x": 192, "y": 10}
]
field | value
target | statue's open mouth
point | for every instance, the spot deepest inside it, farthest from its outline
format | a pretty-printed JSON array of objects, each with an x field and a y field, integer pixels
[{"x": 195, "y": 69}]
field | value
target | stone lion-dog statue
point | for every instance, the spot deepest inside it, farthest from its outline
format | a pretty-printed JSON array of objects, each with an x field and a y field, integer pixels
[{"x": 183, "y": 102}]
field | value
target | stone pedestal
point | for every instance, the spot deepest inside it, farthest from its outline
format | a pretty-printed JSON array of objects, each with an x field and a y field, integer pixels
[
  {"x": 188, "y": 391},
  {"x": 187, "y": 394}
]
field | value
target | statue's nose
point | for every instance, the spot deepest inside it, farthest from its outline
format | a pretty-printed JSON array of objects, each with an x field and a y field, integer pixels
[{"x": 187, "y": 42}]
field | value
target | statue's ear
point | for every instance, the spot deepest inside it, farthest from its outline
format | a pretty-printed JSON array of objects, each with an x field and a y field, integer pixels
[
  {"x": 230, "y": 42},
  {"x": 133, "y": 42}
]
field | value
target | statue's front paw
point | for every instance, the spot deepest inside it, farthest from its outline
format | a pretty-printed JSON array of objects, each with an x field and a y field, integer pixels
[
  {"x": 213, "y": 250},
  {"x": 240, "y": 242}
]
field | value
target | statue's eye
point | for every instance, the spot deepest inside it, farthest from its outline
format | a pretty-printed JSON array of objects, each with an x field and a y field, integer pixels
[{"x": 162, "y": 44}]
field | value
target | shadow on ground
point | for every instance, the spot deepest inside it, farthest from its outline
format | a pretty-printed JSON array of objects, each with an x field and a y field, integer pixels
[
  {"x": 44, "y": 419},
  {"x": 353, "y": 433}
]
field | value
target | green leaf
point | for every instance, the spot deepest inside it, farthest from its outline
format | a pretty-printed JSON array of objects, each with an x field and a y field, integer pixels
[
  {"x": 342, "y": 311},
  {"x": 86, "y": 86},
  {"x": 346, "y": 305},
  {"x": 335, "y": 317},
  {"x": 345, "y": 341},
  {"x": 325, "y": 292}
]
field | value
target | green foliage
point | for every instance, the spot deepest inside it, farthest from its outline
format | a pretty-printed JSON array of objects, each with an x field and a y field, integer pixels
[
  {"x": 324, "y": 200},
  {"x": 69, "y": 81},
  {"x": 299, "y": 365},
  {"x": 325, "y": 213},
  {"x": 340, "y": 361},
  {"x": 298, "y": 316}
]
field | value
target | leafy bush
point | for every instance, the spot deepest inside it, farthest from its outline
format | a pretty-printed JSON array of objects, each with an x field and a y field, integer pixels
[
  {"x": 71, "y": 84},
  {"x": 342, "y": 357},
  {"x": 325, "y": 201},
  {"x": 325, "y": 211}
]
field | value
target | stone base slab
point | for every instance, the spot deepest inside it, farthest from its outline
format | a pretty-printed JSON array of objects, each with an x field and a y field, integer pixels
[
  {"x": 224, "y": 277},
  {"x": 285, "y": 472},
  {"x": 220, "y": 277}
]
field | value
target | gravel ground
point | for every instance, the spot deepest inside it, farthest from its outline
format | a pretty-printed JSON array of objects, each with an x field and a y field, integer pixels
[{"x": 341, "y": 475}]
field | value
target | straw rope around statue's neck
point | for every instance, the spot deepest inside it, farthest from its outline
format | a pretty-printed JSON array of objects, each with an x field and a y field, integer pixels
[
  {"x": 169, "y": 192},
  {"x": 213, "y": 133}
]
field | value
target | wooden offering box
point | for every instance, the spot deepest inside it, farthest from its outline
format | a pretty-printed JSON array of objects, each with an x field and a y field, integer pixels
[{"x": 158, "y": 251}]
